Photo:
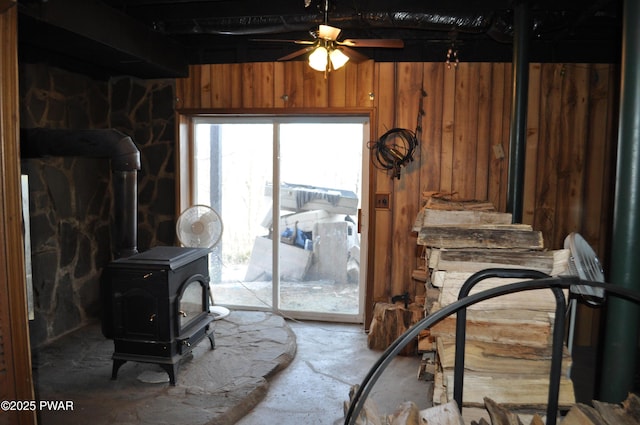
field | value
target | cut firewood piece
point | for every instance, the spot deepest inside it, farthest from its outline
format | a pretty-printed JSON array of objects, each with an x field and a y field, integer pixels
[
  {"x": 427, "y": 217},
  {"x": 632, "y": 406},
  {"x": 447, "y": 202},
  {"x": 536, "y": 420},
  {"x": 513, "y": 391},
  {"x": 473, "y": 260},
  {"x": 514, "y": 236},
  {"x": 496, "y": 358},
  {"x": 614, "y": 414},
  {"x": 444, "y": 414},
  {"x": 389, "y": 322},
  {"x": 524, "y": 327},
  {"x": 407, "y": 413},
  {"x": 419, "y": 274},
  {"x": 539, "y": 299},
  {"x": 581, "y": 414},
  {"x": 499, "y": 415},
  {"x": 369, "y": 414}
]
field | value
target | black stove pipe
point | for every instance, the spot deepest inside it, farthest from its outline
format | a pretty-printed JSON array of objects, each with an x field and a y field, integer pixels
[{"x": 98, "y": 143}]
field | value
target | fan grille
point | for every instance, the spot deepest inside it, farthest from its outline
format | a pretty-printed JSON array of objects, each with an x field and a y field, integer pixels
[{"x": 199, "y": 226}]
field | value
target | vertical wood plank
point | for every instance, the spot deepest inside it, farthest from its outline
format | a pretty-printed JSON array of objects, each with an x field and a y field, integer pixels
[
  {"x": 431, "y": 140},
  {"x": 363, "y": 85},
  {"x": 263, "y": 73},
  {"x": 448, "y": 130},
  {"x": 221, "y": 86},
  {"x": 236, "y": 86},
  {"x": 195, "y": 89},
  {"x": 205, "y": 87},
  {"x": 464, "y": 142},
  {"x": 338, "y": 90},
  {"x": 597, "y": 180},
  {"x": 406, "y": 189},
  {"x": 315, "y": 89},
  {"x": 531, "y": 152},
  {"x": 383, "y": 218},
  {"x": 506, "y": 133},
  {"x": 15, "y": 352},
  {"x": 483, "y": 138},
  {"x": 497, "y": 159},
  {"x": 548, "y": 152},
  {"x": 280, "y": 98},
  {"x": 294, "y": 83},
  {"x": 248, "y": 86},
  {"x": 572, "y": 146}
]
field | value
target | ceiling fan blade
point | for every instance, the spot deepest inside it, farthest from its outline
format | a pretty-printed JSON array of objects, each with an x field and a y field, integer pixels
[
  {"x": 280, "y": 40},
  {"x": 327, "y": 32},
  {"x": 353, "y": 55},
  {"x": 297, "y": 53},
  {"x": 392, "y": 43}
]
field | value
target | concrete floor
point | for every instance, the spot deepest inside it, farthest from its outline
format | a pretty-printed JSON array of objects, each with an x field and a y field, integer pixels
[
  {"x": 264, "y": 371},
  {"x": 330, "y": 359}
]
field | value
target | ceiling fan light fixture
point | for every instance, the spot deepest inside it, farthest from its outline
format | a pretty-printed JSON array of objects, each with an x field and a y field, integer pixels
[
  {"x": 338, "y": 59},
  {"x": 318, "y": 59}
]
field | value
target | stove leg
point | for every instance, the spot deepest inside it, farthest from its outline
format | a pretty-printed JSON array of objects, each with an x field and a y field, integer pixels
[
  {"x": 171, "y": 370},
  {"x": 212, "y": 340},
  {"x": 116, "y": 365}
]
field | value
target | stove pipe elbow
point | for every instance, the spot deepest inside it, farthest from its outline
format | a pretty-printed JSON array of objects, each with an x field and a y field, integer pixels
[{"x": 99, "y": 143}]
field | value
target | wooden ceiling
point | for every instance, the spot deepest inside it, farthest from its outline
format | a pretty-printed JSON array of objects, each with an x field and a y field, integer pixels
[{"x": 160, "y": 38}]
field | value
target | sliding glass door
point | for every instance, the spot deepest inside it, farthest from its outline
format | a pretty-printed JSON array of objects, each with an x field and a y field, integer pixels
[{"x": 289, "y": 191}]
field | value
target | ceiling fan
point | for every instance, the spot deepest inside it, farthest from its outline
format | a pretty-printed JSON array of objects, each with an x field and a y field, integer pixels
[{"x": 327, "y": 53}]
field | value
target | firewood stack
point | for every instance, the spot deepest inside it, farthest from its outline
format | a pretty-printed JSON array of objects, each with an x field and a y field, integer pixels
[
  {"x": 508, "y": 345},
  {"x": 407, "y": 413}
]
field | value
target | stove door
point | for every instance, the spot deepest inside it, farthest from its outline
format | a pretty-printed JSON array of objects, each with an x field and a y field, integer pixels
[{"x": 192, "y": 303}]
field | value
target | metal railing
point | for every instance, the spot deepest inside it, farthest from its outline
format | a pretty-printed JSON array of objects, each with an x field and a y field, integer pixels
[{"x": 538, "y": 280}]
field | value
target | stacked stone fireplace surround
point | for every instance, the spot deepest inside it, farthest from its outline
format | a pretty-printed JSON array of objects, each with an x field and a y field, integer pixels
[{"x": 71, "y": 199}]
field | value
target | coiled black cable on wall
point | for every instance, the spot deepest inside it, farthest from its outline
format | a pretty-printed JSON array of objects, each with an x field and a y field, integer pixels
[{"x": 394, "y": 149}]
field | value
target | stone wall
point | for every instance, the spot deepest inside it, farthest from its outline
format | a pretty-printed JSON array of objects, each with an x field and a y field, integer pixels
[{"x": 71, "y": 198}]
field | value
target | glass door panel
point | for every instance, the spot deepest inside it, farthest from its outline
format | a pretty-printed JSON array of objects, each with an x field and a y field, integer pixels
[
  {"x": 233, "y": 164},
  {"x": 321, "y": 180}
]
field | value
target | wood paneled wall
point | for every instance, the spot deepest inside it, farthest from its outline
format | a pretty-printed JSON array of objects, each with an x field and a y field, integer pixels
[
  {"x": 463, "y": 145},
  {"x": 15, "y": 356}
]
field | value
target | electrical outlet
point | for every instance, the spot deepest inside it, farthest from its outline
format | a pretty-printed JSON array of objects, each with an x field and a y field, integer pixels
[{"x": 382, "y": 201}]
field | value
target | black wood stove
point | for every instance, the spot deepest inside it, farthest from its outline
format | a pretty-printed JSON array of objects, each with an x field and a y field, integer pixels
[{"x": 156, "y": 306}]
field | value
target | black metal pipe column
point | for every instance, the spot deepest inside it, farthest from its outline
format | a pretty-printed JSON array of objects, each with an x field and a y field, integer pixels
[
  {"x": 620, "y": 339},
  {"x": 520, "y": 88}
]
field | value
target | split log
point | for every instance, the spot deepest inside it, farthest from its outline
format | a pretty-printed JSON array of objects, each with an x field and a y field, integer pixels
[
  {"x": 369, "y": 414},
  {"x": 614, "y": 414},
  {"x": 552, "y": 262},
  {"x": 632, "y": 406},
  {"x": 442, "y": 201},
  {"x": 496, "y": 358},
  {"x": 451, "y": 282},
  {"x": 406, "y": 414},
  {"x": 581, "y": 414},
  {"x": 536, "y": 420},
  {"x": 427, "y": 217},
  {"x": 514, "y": 391},
  {"x": 515, "y": 236},
  {"x": 524, "y": 327},
  {"x": 389, "y": 322},
  {"x": 499, "y": 415},
  {"x": 444, "y": 414}
]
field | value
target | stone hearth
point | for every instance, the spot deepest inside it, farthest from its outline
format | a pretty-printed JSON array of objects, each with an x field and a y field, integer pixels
[{"x": 216, "y": 386}]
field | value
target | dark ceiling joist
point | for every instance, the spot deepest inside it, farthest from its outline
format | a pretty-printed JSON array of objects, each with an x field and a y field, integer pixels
[{"x": 75, "y": 27}]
